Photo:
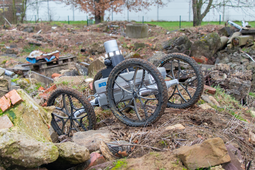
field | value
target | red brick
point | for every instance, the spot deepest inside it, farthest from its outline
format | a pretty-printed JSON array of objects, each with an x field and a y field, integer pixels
[
  {"x": 50, "y": 89},
  {"x": 95, "y": 159},
  {"x": 54, "y": 75},
  {"x": 5, "y": 103},
  {"x": 5, "y": 122},
  {"x": 202, "y": 59},
  {"x": 41, "y": 88},
  {"x": 91, "y": 86},
  {"x": 44, "y": 95},
  {"x": 14, "y": 97},
  {"x": 209, "y": 89}
]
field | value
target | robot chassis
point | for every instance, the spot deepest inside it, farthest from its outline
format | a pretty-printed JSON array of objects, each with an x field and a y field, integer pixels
[{"x": 136, "y": 91}]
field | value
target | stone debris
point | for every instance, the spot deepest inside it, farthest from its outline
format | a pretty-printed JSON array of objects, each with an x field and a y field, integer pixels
[
  {"x": 95, "y": 159},
  {"x": 92, "y": 138},
  {"x": 236, "y": 158},
  {"x": 209, "y": 89},
  {"x": 205, "y": 106},
  {"x": 175, "y": 127},
  {"x": 72, "y": 152},
  {"x": 106, "y": 152},
  {"x": 210, "y": 153},
  {"x": 252, "y": 138},
  {"x": 19, "y": 149}
]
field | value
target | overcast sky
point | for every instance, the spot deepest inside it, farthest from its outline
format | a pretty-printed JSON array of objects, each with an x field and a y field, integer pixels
[{"x": 171, "y": 12}]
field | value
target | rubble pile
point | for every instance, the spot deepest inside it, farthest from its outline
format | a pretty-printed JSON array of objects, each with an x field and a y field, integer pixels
[{"x": 71, "y": 56}]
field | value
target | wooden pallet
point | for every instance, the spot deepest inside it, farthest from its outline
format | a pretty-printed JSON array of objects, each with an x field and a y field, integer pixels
[{"x": 47, "y": 65}]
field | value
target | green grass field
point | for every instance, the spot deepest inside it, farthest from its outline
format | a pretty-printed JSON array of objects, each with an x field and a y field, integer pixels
[
  {"x": 171, "y": 25},
  {"x": 174, "y": 25}
]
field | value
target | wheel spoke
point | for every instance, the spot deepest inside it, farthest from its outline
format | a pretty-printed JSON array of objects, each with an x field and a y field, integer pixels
[
  {"x": 64, "y": 102},
  {"x": 180, "y": 94},
  {"x": 136, "y": 111},
  {"x": 134, "y": 77},
  {"x": 71, "y": 104},
  {"x": 143, "y": 105},
  {"x": 185, "y": 90},
  {"x": 122, "y": 87},
  {"x": 179, "y": 69},
  {"x": 173, "y": 92},
  {"x": 141, "y": 84},
  {"x": 172, "y": 70}
]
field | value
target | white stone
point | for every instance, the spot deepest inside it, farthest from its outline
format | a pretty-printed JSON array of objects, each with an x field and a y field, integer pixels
[
  {"x": 205, "y": 106},
  {"x": 175, "y": 127}
]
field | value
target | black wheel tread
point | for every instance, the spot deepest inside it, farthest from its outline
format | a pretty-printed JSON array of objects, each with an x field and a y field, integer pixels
[
  {"x": 81, "y": 98},
  {"x": 200, "y": 77},
  {"x": 153, "y": 70}
]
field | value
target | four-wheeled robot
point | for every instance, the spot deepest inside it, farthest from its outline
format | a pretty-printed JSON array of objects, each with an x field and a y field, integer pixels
[{"x": 136, "y": 91}]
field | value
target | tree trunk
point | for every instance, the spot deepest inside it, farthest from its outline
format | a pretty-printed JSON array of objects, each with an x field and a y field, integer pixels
[
  {"x": 97, "y": 18},
  {"x": 198, "y": 16},
  {"x": 97, "y": 12},
  {"x": 14, "y": 11},
  {"x": 23, "y": 12}
]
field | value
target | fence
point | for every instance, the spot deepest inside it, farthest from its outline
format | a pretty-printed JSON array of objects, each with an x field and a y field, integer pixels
[{"x": 139, "y": 18}]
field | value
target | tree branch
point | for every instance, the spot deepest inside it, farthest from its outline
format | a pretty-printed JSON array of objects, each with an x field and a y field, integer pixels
[{"x": 207, "y": 9}]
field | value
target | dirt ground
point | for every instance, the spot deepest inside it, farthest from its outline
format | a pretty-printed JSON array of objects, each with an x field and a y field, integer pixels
[
  {"x": 86, "y": 42},
  {"x": 199, "y": 125}
]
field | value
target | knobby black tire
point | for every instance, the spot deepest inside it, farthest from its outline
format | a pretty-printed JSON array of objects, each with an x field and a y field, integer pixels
[
  {"x": 162, "y": 88},
  {"x": 200, "y": 78},
  {"x": 76, "y": 94},
  {"x": 97, "y": 77}
]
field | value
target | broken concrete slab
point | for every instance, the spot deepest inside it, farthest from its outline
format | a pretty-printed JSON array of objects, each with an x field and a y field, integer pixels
[
  {"x": 5, "y": 122},
  {"x": 243, "y": 40},
  {"x": 4, "y": 85},
  {"x": 2, "y": 71},
  {"x": 137, "y": 30},
  {"x": 40, "y": 78}
]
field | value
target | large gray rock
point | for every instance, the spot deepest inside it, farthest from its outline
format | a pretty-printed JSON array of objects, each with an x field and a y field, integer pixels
[
  {"x": 95, "y": 66},
  {"x": 207, "y": 46},
  {"x": 28, "y": 29},
  {"x": 158, "y": 55},
  {"x": 238, "y": 88},
  {"x": 82, "y": 71},
  {"x": 178, "y": 44},
  {"x": 137, "y": 30},
  {"x": 18, "y": 149},
  {"x": 210, "y": 153},
  {"x": 97, "y": 48},
  {"x": 91, "y": 139},
  {"x": 72, "y": 152},
  {"x": 30, "y": 118}
]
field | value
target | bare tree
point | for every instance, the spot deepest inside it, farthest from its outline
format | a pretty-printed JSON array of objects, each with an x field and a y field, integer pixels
[
  {"x": 98, "y": 7},
  {"x": 198, "y": 14},
  {"x": 202, "y": 7}
]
